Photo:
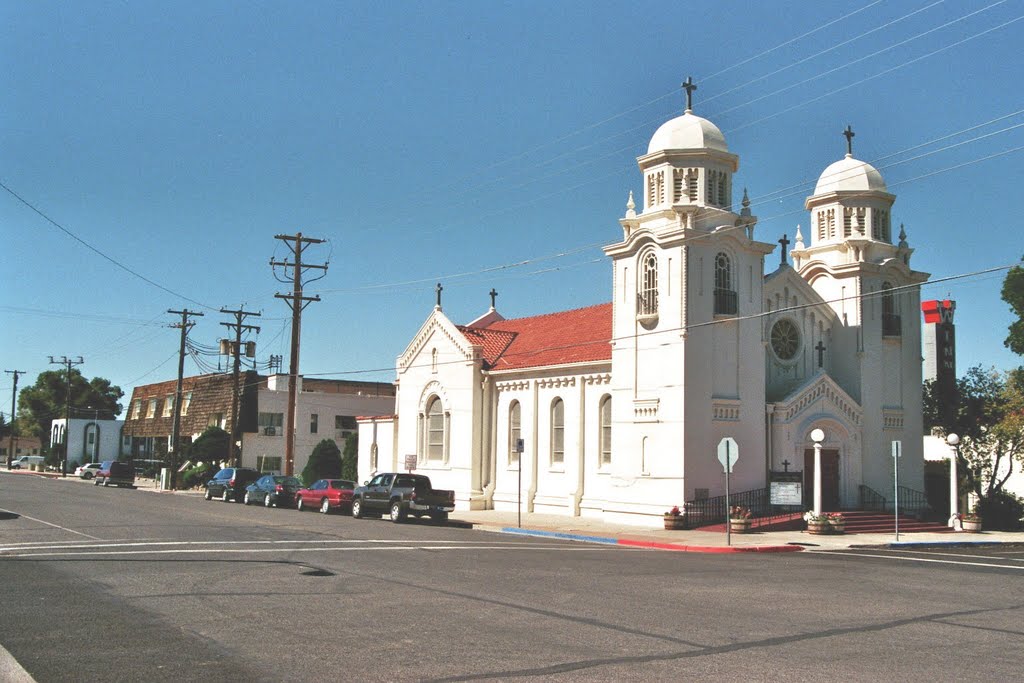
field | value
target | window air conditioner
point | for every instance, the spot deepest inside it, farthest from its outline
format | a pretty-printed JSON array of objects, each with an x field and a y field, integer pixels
[{"x": 270, "y": 431}]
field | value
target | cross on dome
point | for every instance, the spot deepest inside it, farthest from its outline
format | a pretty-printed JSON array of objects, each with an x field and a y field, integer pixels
[
  {"x": 689, "y": 87},
  {"x": 849, "y": 134}
]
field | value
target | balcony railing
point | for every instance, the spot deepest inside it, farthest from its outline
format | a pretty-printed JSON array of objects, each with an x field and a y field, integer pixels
[
  {"x": 725, "y": 302},
  {"x": 892, "y": 325}
]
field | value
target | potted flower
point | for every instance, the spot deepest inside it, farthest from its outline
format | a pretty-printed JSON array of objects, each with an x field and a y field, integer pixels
[
  {"x": 739, "y": 519},
  {"x": 825, "y": 523},
  {"x": 970, "y": 522},
  {"x": 675, "y": 519}
]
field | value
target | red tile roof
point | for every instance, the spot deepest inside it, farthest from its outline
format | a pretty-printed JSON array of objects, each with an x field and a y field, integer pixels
[{"x": 578, "y": 336}]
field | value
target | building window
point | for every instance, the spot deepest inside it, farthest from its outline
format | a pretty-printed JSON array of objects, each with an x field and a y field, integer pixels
[
  {"x": 216, "y": 420},
  {"x": 267, "y": 463},
  {"x": 557, "y": 432},
  {"x": 515, "y": 431},
  {"x": 725, "y": 295},
  {"x": 168, "y": 405},
  {"x": 137, "y": 409},
  {"x": 647, "y": 300},
  {"x": 435, "y": 429},
  {"x": 891, "y": 323},
  {"x": 151, "y": 410},
  {"x": 314, "y": 423},
  {"x": 606, "y": 430},
  {"x": 433, "y": 361},
  {"x": 270, "y": 424},
  {"x": 186, "y": 399},
  {"x": 785, "y": 339},
  {"x": 344, "y": 425}
]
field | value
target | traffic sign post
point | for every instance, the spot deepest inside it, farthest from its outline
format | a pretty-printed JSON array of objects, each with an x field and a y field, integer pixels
[
  {"x": 728, "y": 454},
  {"x": 520, "y": 447}
]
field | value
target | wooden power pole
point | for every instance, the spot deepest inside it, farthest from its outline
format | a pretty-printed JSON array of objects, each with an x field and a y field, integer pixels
[
  {"x": 68, "y": 364},
  {"x": 236, "y": 349},
  {"x": 297, "y": 243},
  {"x": 174, "y": 451},
  {"x": 14, "y": 403}
]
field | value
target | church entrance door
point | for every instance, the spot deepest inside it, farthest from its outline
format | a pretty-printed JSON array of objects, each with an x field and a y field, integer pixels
[{"x": 829, "y": 479}]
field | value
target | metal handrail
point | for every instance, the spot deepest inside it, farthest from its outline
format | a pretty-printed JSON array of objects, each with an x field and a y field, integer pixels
[
  {"x": 913, "y": 502},
  {"x": 712, "y": 510},
  {"x": 871, "y": 499}
]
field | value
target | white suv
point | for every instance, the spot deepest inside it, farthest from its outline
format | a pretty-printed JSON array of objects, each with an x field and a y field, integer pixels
[{"x": 88, "y": 470}]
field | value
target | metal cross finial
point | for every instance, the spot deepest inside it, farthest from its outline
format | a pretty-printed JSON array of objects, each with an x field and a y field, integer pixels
[
  {"x": 785, "y": 465},
  {"x": 439, "y": 288},
  {"x": 820, "y": 348},
  {"x": 785, "y": 243},
  {"x": 689, "y": 87},
  {"x": 494, "y": 295},
  {"x": 848, "y": 133}
]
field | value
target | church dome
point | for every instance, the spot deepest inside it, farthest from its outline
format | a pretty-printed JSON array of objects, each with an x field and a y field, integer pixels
[
  {"x": 850, "y": 175},
  {"x": 687, "y": 132}
]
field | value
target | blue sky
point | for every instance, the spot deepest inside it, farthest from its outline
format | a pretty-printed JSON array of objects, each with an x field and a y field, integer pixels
[{"x": 480, "y": 144}]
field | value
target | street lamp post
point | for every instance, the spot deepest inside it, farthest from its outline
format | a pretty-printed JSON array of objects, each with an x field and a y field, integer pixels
[
  {"x": 817, "y": 436},
  {"x": 954, "y": 493}
]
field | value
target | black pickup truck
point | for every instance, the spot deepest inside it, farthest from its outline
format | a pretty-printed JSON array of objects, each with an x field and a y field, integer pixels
[{"x": 400, "y": 495}]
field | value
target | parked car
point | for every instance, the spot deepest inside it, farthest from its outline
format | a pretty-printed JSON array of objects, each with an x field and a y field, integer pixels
[
  {"x": 229, "y": 483},
  {"x": 114, "y": 472},
  {"x": 326, "y": 495},
  {"x": 400, "y": 495},
  {"x": 25, "y": 461},
  {"x": 273, "y": 490},
  {"x": 88, "y": 470}
]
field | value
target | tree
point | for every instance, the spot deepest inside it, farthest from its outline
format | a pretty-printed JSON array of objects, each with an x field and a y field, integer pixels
[
  {"x": 211, "y": 446},
  {"x": 324, "y": 462},
  {"x": 989, "y": 419},
  {"x": 45, "y": 401},
  {"x": 350, "y": 461},
  {"x": 1013, "y": 294}
]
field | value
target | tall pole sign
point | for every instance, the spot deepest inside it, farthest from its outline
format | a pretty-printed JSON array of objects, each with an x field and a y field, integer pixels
[{"x": 728, "y": 454}]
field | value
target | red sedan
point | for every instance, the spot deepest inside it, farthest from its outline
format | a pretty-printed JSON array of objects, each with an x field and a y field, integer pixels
[{"x": 326, "y": 495}]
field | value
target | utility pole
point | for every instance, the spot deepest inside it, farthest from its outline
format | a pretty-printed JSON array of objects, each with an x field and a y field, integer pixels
[
  {"x": 185, "y": 325},
  {"x": 68, "y": 364},
  {"x": 240, "y": 315},
  {"x": 14, "y": 396},
  {"x": 297, "y": 243}
]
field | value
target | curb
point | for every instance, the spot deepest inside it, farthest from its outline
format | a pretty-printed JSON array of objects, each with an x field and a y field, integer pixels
[
  {"x": 935, "y": 544},
  {"x": 652, "y": 545}
]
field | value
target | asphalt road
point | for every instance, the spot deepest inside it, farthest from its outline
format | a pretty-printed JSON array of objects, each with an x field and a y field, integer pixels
[{"x": 105, "y": 584}]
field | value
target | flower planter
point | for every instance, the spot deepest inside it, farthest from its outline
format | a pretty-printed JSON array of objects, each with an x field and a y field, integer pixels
[
  {"x": 739, "y": 526},
  {"x": 822, "y": 528},
  {"x": 972, "y": 526},
  {"x": 675, "y": 522}
]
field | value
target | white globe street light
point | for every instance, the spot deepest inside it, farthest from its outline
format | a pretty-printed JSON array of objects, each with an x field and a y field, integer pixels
[{"x": 953, "y": 441}]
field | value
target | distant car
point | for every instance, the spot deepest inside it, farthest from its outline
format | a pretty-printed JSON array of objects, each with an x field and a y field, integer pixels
[
  {"x": 273, "y": 490},
  {"x": 26, "y": 461},
  {"x": 114, "y": 472},
  {"x": 326, "y": 495},
  {"x": 229, "y": 484},
  {"x": 88, "y": 470}
]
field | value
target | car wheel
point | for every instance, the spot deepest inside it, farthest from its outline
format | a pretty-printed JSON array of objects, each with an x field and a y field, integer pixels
[
  {"x": 226, "y": 497},
  {"x": 87, "y": 475},
  {"x": 208, "y": 496},
  {"x": 357, "y": 508},
  {"x": 298, "y": 504},
  {"x": 267, "y": 502},
  {"x": 106, "y": 482},
  {"x": 325, "y": 506},
  {"x": 96, "y": 482},
  {"x": 245, "y": 499},
  {"x": 397, "y": 513}
]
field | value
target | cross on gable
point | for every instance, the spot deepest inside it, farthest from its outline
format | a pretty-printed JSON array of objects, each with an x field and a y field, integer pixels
[
  {"x": 439, "y": 289},
  {"x": 785, "y": 465},
  {"x": 820, "y": 348},
  {"x": 785, "y": 243},
  {"x": 689, "y": 87},
  {"x": 849, "y": 134},
  {"x": 494, "y": 295}
]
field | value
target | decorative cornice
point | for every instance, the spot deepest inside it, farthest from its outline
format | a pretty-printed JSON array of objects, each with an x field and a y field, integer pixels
[
  {"x": 725, "y": 410},
  {"x": 892, "y": 419},
  {"x": 645, "y": 409},
  {"x": 821, "y": 388},
  {"x": 556, "y": 382}
]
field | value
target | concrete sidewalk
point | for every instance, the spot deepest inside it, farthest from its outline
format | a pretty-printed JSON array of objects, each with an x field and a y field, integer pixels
[{"x": 597, "y": 531}]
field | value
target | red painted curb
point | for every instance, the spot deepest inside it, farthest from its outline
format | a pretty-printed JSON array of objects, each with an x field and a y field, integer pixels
[{"x": 710, "y": 548}]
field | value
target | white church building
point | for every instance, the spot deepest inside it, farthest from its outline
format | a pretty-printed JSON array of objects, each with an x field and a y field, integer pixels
[{"x": 619, "y": 407}]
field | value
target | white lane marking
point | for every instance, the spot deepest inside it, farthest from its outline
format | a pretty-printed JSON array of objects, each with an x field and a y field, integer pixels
[
  {"x": 928, "y": 552},
  {"x": 250, "y": 551},
  {"x": 917, "y": 559},
  {"x": 11, "y": 671},
  {"x": 50, "y": 545},
  {"x": 58, "y": 526}
]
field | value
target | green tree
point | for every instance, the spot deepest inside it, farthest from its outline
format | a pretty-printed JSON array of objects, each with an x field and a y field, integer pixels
[
  {"x": 324, "y": 462},
  {"x": 45, "y": 401},
  {"x": 1013, "y": 294},
  {"x": 989, "y": 419},
  {"x": 350, "y": 460},
  {"x": 211, "y": 446}
]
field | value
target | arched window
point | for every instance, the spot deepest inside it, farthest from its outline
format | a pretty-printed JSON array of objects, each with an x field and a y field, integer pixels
[
  {"x": 435, "y": 429},
  {"x": 725, "y": 295},
  {"x": 606, "y": 430},
  {"x": 891, "y": 323},
  {"x": 515, "y": 431},
  {"x": 557, "y": 431},
  {"x": 647, "y": 299}
]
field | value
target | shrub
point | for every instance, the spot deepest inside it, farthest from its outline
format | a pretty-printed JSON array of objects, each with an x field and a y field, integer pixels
[
  {"x": 1001, "y": 511},
  {"x": 350, "y": 461},
  {"x": 324, "y": 462},
  {"x": 197, "y": 475}
]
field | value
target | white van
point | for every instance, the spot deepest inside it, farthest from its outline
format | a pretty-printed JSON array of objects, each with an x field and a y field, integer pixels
[{"x": 26, "y": 461}]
